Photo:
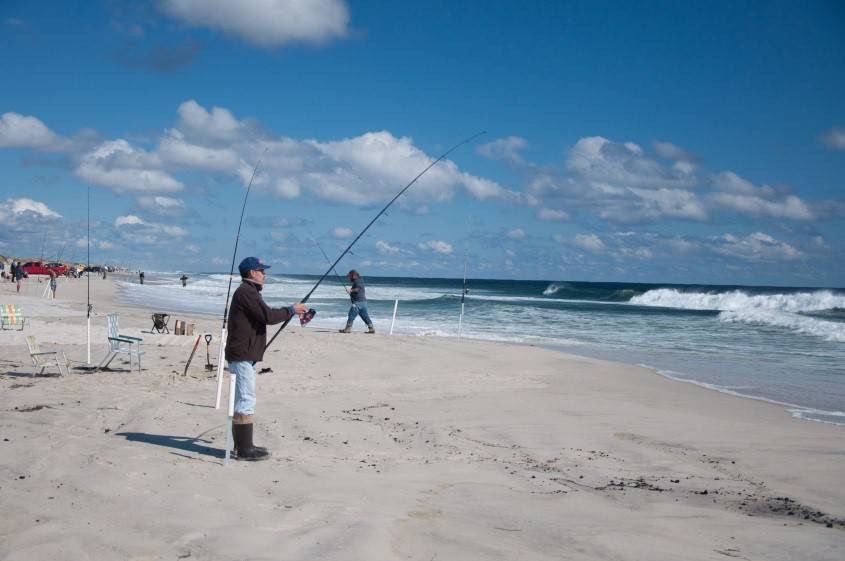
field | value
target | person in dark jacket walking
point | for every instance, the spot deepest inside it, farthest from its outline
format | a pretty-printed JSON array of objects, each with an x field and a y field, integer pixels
[
  {"x": 359, "y": 303},
  {"x": 249, "y": 317}
]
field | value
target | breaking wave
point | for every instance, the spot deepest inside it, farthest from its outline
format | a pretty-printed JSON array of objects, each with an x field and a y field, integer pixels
[{"x": 786, "y": 310}]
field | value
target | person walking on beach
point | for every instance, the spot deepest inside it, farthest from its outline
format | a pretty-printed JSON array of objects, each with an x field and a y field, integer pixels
[
  {"x": 53, "y": 283},
  {"x": 249, "y": 317},
  {"x": 141, "y": 276},
  {"x": 358, "y": 296},
  {"x": 19, "y": 273}
]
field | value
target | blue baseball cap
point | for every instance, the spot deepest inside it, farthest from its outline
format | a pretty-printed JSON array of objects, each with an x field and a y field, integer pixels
[{"x": 251, "y": 264}]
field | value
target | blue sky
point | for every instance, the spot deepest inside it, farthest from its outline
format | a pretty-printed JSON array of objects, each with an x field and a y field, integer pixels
[{"x": 627, "y": 141}]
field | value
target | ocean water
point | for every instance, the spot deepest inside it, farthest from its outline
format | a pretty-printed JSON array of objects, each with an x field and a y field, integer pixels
[{"x": 784, "y": 345}]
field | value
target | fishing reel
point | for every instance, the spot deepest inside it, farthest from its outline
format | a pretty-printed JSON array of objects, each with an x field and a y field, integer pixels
[{"x": 307, "y": 316}]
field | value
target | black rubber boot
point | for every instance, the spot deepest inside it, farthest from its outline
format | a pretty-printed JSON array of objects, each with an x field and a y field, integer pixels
[{"x": 244, "y": 448}]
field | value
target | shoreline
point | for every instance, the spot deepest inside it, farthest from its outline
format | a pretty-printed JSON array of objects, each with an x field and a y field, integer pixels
[
  {"x": 397, "y": 448},
  {"x": 791, "y": 409}
]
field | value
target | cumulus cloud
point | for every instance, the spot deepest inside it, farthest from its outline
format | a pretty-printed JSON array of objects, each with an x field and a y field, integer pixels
[
  {"x": 265, "y": 23},
  {"x": 27, "y": 206},
  {"x": 504, "y": 149},
  {"x": 341, "y": 233},
  {"x": 835, "y": 138},
  {"x": 673, "y": 152},
  {"x": 437, "y": 246},
  {"x": 163, "y": 206},
  {"x": 552, "y": 214},
  {"x": 755, "y": 247},
  {"x": 739, "y": 195},
  {"x": 119, "y": 166},
  {"x": 135, "y": 229},
  {"x": 515, "y": 233},
  {"x": 589, "y": 242},
  {"x": 385, "y": 248},
  {"x": 22, "y": 131}
]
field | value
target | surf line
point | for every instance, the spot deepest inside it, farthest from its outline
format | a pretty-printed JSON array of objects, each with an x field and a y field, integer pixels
[{"x": 367, "y": 227}]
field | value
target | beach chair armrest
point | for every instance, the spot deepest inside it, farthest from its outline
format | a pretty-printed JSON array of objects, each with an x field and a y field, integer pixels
[
  {"x": 130, "y": 337},
  {"x": 45, "y": 353},
  {"x": 122, "y": 340}
]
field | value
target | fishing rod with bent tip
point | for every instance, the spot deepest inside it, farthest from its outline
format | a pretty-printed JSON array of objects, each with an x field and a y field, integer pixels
[
  {"x": 332, "y": 267},
  {"x": 221, "y": 353},
  {"x": 373, "y": 221}
]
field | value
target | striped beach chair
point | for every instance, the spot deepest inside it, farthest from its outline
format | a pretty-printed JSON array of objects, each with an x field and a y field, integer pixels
[
  {"x": 47, "y": 359},
  {"x": 11, "y": 316}
]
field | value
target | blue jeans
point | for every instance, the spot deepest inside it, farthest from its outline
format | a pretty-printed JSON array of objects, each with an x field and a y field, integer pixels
[
  {"x": 359, "y": 309},
  {"x": 244, "y": 373}
]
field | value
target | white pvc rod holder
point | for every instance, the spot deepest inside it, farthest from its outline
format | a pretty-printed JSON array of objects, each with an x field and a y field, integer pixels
[
  {"x": 393, "y": 321},
  {"x": 220, "y": 357}
]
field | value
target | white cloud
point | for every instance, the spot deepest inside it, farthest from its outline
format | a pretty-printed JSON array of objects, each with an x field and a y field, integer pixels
[
  {"x": 265, "y": 23},
  {"x": 673, "y": 152},
  {"x": 835, "y": 138},
  {"x": 117, "y": 165},
  {"x": 737, "y": 194},
  {"x": 755, "y": 247},
  {"x": 341, "y": 232},
  {"x": 176, "y": 151},
  {"x": 504, "y": 149},
  {"x": 385, "y": 248},
  {"x": 589, "y": 242},
  {"x": 599, "y": 160},
  {"x": 219, "y": 124},
  {"x": 129, "y": 219},
  {"x": 104, "y": 244},
  {"x": 436, "y": 246},
  {"x": 515, "y": 233},
  {"x": 24, "y": 205},
  {"x": 552, "y": 214},
  {"x": 791, "y": 207},
  {"x": 161, "y": 205},
  {"x": 22, "y": 131}
]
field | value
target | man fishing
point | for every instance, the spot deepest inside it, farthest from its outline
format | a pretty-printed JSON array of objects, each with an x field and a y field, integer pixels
[
  {"x": 359, "y": 303},
  {"x": 249, "y": 317}
]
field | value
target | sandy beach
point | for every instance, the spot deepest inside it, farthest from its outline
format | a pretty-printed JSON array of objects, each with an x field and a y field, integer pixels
[{"x": 388, "y": 448}]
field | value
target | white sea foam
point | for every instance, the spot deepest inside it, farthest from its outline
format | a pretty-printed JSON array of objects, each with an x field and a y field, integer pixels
[
  {"x": 779, "y": 310},
  {"x": 738, "y": 300},
  {"x": 830, "y": 330}
]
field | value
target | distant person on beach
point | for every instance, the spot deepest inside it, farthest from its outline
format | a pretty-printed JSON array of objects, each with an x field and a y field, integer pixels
[
  {"x": 359, "y": 303},
  {"x": 141, "y": 276},
  {"x": 249, "y": 317},
  {"x": 19, "y": 274},
  {"x": 53, "y": 283},
  {"x": 184, "y": 279}
]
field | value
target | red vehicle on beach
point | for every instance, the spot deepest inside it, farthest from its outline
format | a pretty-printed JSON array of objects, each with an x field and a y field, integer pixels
[{"x": 39, "y": 268}]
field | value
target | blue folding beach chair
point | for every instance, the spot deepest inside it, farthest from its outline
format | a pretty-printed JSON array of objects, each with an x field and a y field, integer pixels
[{"x": 120, "y": 344}]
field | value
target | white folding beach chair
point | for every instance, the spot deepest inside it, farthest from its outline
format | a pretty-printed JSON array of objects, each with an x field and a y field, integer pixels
[
  {"x": 120, "y": 344},
  {"x": 47, "y": 359}
]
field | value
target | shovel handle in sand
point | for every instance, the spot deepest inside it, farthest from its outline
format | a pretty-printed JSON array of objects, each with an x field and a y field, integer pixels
[{"x": 193, "y": 352}]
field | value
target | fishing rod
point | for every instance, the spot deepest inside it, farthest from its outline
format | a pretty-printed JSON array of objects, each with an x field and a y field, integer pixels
[
  {"x": 88, "y": 276},
  {"x": 331, "y": 265},
  {"x": 220, "y": 355},
  {"x": 367, "y": 227}
]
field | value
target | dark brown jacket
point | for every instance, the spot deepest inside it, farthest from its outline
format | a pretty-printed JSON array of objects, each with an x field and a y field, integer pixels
[{"x": 249, "y": 317}]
